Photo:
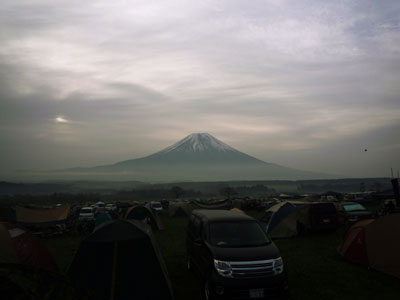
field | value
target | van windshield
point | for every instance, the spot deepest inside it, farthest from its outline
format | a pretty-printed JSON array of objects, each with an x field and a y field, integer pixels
[{"x": 237, "y": 234}]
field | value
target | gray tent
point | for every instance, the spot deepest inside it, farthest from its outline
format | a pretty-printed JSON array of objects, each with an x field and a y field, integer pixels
[
  {"x": 178, "y": 211},
  {"x": 181, "y": 209},
  {"x": 286, "y": 219},
  {"x": 146, "y": 215},
  {"x": 121, "y": 260}
]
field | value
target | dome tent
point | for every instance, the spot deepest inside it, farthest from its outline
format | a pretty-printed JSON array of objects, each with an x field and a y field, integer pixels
[
  {"x": 374, "y": 243},
  {"x": 121, "y": 260},
  {"x": 182, "y": 209},
  {"x": 20, "y": 246},
  {"x": 178, "y": 211},
  {"x": 28, "y": 270},
  {"x": 283, "y": 219},
  {"x": 101, "y": 218},
  {"x": 146, "y": 215}
]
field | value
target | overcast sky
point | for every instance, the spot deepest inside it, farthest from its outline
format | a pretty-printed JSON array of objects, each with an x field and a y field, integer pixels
[{"x": 308, "y": 84}]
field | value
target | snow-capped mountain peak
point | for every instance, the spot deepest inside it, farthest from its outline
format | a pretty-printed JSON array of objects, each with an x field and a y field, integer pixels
[
  {"x": 200, "y": 156},
  {"x": 199, "y": 142}
]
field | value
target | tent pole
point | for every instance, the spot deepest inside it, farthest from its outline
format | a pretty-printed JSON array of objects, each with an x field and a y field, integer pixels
[{"x": 114, "y": 269}]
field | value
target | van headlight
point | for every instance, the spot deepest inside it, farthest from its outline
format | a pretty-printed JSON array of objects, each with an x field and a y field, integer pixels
[
  {"x": 278, "y": 265},
  {"x": 223, "y": 268}
]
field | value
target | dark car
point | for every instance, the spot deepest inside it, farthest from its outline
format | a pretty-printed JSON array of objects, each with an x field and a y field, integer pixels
[
  {"x": 234, "y": 257},
  {"x": 164, "y": 203},
  {"x": 351, "y": 212},
  {"x": 323, "y": 216}
]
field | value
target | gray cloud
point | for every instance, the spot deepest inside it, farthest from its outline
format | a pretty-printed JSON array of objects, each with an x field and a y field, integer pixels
[{"x": 300, "y": 83}]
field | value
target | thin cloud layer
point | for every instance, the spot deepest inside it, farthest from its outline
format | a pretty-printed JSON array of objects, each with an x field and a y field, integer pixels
[{"x": 307, "y": 84}]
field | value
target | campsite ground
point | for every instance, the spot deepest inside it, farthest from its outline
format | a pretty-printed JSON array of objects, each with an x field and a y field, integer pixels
[{"x": 315, "y": 269}]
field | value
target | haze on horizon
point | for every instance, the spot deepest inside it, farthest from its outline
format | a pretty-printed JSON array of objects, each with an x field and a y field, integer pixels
[{"x": 304, "y": 84}]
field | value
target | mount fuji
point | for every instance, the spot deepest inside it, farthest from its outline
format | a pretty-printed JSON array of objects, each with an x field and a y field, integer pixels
[
  {"x": 197, "y": 148},
  {"x": 197, "y": 157}
]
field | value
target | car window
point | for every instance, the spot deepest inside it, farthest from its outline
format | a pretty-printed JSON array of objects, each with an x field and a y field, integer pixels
[
  {"x": 353, "y": 207},
  {"x": 237, "y": 234}
]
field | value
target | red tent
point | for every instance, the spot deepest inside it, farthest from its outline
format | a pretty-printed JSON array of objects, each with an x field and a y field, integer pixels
[
  {"x": 374, "y": 243},
  {"x": 353, "y": 247},
  {"x": 20, "y": 246}
]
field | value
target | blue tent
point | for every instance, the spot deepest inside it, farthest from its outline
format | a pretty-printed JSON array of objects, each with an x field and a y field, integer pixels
[
  {"x": 101, "y": 218},
  {"x": 282, "y": 219}
]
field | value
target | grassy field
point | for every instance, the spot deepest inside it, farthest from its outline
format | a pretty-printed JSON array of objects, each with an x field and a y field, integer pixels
[{"x": 315, "y": 269}]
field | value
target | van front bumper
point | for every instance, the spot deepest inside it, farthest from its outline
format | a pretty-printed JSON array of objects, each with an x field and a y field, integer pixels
[{"x": 273, "y": 287}]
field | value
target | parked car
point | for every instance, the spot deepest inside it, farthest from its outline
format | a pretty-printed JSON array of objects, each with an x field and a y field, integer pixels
[
  {"x": 359, "y": 197},
  {"x": 100, "y": 210},
  {"x": 165, "y": 203},
  {"x": 86, "y": 214},
  {"x": 350, "y": 212},
  {"x": 323, "y": 216},
  {"x": 110, "y": 207},
  {"x": 156, "y": 206},
  {"x": 233, "y": 256}
]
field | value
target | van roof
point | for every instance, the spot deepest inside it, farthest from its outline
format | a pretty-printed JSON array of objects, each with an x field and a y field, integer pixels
[{"x": 219, "y": 215}]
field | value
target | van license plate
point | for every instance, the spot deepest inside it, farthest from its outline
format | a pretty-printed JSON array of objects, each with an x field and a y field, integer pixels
[
  {"x": 327, "y": 220},
  {"x": 256, "y": 293}
]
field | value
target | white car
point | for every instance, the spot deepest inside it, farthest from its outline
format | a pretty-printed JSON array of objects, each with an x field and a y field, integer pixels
[
  {"x": 156, "y": 206},
  {"x": 86, "y": 214},
  {"x": 110, "y": 207}
]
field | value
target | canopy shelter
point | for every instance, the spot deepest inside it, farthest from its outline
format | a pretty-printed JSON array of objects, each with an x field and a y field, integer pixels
[
  {"x": 286, "y": 219},
  {"x": 20, "y": 246},
  {"x": 374, "y": 243},
  {"x": 221, "y": 204},
  {"x": 121, "y": 260},
  {"x": 41, "y": 216},
  {"x": 146, "y": 215}
]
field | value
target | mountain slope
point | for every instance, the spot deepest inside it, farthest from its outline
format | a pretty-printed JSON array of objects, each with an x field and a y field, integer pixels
[
  {"x": 195, "y": 149},
  {"x": 198, "y": 157}
]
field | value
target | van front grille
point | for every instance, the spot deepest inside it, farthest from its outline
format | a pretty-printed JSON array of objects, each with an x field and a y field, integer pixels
[{"x": 252, "y": 269}]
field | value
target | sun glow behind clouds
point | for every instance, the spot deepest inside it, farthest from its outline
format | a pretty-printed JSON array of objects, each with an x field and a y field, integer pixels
[
  {"x": 269, "y": 78},
  {"x": 61, "y": 119}
]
